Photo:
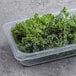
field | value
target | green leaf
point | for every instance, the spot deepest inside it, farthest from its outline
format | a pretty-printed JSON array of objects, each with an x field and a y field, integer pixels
[{"x": 43, "y": 32}]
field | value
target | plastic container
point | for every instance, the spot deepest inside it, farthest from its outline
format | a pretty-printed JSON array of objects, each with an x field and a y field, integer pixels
[{"x": 29, "y": 59}]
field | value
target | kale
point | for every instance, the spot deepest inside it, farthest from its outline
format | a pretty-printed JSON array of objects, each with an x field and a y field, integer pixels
[{"x": 47, "y": 31}]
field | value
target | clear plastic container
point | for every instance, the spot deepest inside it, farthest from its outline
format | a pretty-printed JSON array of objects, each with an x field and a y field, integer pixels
[{"x": 29, "y": 59}]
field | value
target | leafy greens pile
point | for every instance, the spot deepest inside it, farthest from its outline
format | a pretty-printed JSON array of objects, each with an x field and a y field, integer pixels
[{"x": 46, "y": 31}]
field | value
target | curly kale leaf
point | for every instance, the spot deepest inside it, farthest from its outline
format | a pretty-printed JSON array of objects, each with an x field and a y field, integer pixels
[{"x": 47, "y": 31}]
